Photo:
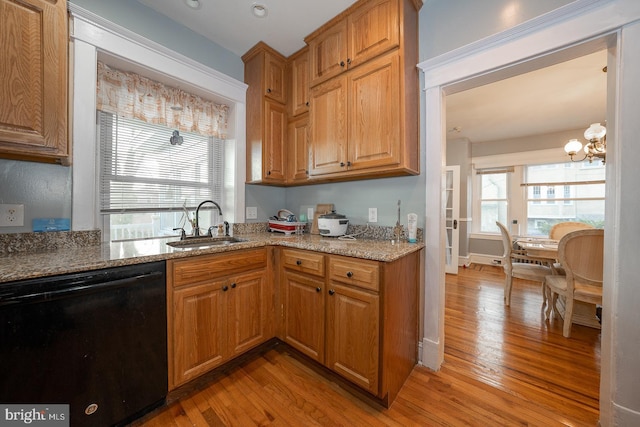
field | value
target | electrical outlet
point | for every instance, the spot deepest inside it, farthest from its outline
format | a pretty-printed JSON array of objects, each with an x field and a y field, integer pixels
[
  {"x": 373, "y": 214},
  {"x": 252, "y": 212},
  {"x": 11, "y": 215}
]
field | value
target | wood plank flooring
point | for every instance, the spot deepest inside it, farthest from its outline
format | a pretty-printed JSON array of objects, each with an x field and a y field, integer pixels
[{"x": 504, "y": 366}]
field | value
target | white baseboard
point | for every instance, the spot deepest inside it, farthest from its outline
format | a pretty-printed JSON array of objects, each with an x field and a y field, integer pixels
[
  {"x": 431, "y": 354},
  {"x": 485, "y": 259}
]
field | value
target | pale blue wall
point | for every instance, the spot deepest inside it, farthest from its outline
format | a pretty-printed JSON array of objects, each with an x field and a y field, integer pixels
[
  {"x": 22, "y": 181},
  {"x": 446, "y": 25}
]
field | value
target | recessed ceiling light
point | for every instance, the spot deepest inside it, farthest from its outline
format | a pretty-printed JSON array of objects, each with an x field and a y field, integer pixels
[
  {"x": 259, "y": 10},
  {"x": 193, "y": 4}
]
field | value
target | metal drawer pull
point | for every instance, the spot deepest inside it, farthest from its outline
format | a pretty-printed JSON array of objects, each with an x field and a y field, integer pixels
[
  {"x": 331, "y": 292},
  {"x": 298, "y": 262},
  {"x": 349, "y": 274}
]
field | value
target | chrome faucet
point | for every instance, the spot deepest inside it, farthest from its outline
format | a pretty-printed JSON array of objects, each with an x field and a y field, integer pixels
[{"x": 197, "y": 228}]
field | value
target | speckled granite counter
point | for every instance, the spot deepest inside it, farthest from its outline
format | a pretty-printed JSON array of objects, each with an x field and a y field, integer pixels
[{"x": 61, "y": 260}]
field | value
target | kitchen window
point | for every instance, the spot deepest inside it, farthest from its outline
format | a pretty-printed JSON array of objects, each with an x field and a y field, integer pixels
[{"x": 161, "y": 153}]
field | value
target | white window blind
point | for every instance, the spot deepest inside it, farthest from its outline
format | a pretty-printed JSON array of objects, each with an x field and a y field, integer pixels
[{"x": 141, "y": 171}]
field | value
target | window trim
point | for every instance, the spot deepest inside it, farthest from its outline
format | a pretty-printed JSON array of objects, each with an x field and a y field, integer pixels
[{"x": 92, "y": 35}]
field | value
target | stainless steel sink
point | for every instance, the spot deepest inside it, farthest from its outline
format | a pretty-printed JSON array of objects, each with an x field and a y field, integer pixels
[{"x": 204, "y": 242}]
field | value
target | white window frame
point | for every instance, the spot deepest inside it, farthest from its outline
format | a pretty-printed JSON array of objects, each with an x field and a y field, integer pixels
[
  {"x": 92, "y": 35},
  {"x": 517, "y": 205}
]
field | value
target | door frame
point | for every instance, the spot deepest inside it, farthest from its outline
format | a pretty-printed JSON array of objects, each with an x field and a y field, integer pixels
[{"x": 574, "y": 30}]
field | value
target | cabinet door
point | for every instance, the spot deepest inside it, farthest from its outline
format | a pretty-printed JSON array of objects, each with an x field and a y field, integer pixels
[
  {"x": 304, "y": 314},
  {"x": 374, "y": 114},
  {"x": 328, "y": 127},
  {"x": 198, "y": 330},
  {"x": 373, "y": 29},
  {"x": 328, "y": 53},
  {"x": 298, "y": 150},
  {"x": 299, "y": 99},
  {"x": 275, "y": 78},
  {"x": 353, "y": 335},
  {"x": 33, "y": 80},
  {"x": 248, "y": 319},
  {"x": 274, "y": 141}
]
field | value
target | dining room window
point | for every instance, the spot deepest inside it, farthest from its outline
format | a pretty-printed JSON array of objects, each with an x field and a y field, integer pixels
[
  {"x": 582, "y": 187},
  {"x": 493, "y": 198}
]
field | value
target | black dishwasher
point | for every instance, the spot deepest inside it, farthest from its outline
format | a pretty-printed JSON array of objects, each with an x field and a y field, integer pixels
[{"x": 96, "y": 341}]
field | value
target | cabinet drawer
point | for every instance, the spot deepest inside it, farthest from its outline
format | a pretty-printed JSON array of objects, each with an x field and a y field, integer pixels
[
  {"x": 303, "y": 261},
  {"x": 357, "y": 272},
  {"x": 206, "y": 267}
]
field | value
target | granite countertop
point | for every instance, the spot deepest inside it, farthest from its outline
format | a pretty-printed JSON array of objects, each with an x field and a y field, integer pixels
[{"x": 40, "y": 263}]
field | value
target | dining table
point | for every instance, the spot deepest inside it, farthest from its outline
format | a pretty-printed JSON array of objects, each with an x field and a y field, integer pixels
[{"x": 546, "y": 250}]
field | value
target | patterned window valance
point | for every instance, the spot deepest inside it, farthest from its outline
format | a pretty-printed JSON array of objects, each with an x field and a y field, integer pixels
[{"x": 133, "y": 96}]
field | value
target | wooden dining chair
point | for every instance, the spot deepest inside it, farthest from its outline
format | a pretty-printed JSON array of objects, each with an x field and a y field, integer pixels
[
  {"x": 559, "y": 230},
  {"x": 512, "y": 262},
  {"x": 582, "y": 255}
]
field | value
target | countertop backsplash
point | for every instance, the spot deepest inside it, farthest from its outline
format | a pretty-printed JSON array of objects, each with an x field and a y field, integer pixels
[
  {"x": 32, "y": 242},
  {"x": 376, "y": 232}
]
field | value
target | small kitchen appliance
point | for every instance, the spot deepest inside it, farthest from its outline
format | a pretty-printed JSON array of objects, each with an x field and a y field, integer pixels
[{"x": 333, "y": 224}]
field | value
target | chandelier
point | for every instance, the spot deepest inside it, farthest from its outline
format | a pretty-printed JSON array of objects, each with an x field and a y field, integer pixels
[{"x": 596, "y": 134}]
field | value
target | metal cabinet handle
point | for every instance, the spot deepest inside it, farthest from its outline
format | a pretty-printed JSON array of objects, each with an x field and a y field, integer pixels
[
  {"x": 341, "y": 63},
  {"x": 269, "y": 90},
  {"x": 225, "y": 288},
  {"x": 298, "y": 262},
  {"x": 349, "y": 274},
  {"x": 341, "y": 164},
  {"x": 348, "y": 61},
  {"x": 318, "y": 289},
  {"x": 331, "y": 292},
  {"x": 233, "y": 285}
]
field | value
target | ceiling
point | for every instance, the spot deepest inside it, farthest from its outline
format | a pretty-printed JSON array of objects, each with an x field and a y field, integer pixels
[
  {"x": 232, "y": 25},
  {"x": 566, "y": 96}
]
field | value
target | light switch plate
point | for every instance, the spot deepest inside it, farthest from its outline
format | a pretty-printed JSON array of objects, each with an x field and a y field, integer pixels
[
  {"x": 11, "y": 215},
  {"x": 251, "y": 212}
]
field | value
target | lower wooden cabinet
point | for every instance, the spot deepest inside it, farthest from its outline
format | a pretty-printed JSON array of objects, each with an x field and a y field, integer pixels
[
  {"x": 357, "y": 317},
  {"x": 353, "y": 335},
  {"x": 219, "y": 306},
  {"x": 304, "y": 313}
]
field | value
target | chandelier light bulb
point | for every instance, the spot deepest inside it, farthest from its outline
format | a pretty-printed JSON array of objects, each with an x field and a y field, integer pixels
[
  {"x": 595, "y": 131},
  {"x": 573, "y": 146}
]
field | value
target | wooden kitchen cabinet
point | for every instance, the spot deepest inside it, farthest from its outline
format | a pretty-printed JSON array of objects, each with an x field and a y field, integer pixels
[
  {"x": 219, "y": 306},
  {"x": 355, "y": 122},
  {"x": 303, "y": 292},
  {"x": 33, "y": 81},
  {"x": 363, "y": 121},
  {"x": 298, "y": 151},
  {"x": 353, "y": 335},
  {"x": 353, "y": 321},
  {"x": 266, "y": 75},
  {"x": 299, "y": 82},
  {"x": 362, "y": 32},
  {"x": 358, "y": 317}
]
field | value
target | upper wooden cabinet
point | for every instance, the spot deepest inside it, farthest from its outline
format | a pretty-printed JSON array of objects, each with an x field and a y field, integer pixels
[
  {"x": 352, "y": 38},
  {"x": 356, "y": 124},
  {"x": 265, "y": 73},
  {"x": 299, "y": 79},
  {"x": 33, "y": 80},
  {"x": 298, "y": 150},
  {"x": 363, "y": 117}
]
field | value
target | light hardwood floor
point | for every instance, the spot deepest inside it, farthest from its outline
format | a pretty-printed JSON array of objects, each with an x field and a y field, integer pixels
[{"x": 504, "y": 366}]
